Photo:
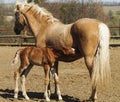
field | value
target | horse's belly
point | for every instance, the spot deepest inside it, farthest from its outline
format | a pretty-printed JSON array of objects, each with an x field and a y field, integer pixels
[{"x": 70, "y": 58}]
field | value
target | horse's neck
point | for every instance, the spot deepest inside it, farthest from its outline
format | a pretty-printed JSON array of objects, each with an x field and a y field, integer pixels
[{"x": 33, "y": 24}]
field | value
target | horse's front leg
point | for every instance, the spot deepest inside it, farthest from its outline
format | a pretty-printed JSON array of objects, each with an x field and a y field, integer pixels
[
  {"x": 53, "y": 70},
  {"x": 47, "y": 71}
]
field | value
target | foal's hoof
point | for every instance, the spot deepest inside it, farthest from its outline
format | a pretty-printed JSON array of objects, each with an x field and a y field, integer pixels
[
  {"x": 15, "y": 100},
  {"x": 27, "y": 98},
  {"x": 47, "y": 100},
  {"x": 59, "y": 97},
  {"x": 15, "y": 96},
  {"x": 49, "y": 93}
]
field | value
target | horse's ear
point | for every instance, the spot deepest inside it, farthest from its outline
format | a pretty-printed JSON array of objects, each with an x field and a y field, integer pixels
[
  {"x": 17, "y": 7},
  {"x": 25, "y": 1},
  {"x": 16, "y": 2},
  {"x": 32, "y": 1}
]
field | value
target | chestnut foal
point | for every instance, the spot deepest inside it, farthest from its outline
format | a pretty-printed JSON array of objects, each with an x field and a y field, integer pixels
[{"x": 30, "y": 56}]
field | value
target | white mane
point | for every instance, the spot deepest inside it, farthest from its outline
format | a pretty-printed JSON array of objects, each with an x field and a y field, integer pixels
[
  {"x": 43, "y": 11},
  {"x": 39, "y": 10}
]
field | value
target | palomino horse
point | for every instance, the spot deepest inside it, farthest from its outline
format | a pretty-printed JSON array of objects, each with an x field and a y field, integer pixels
[
  {"x": 30, "y": 56},
  {"x": 89, "y": 37}
]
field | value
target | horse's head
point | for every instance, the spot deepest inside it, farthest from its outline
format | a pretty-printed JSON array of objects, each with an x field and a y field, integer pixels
[
  {"x": 20, "y": 20},
  {"x": 32, "y": 16},
  {"x": 19, "y": 23}
]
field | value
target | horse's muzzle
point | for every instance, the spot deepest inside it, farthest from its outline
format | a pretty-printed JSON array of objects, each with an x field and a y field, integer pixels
[{"x": 17, "y": 31}]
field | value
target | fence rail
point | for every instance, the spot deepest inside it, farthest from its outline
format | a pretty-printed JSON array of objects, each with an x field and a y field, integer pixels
[{"x": 21, "y": 39}]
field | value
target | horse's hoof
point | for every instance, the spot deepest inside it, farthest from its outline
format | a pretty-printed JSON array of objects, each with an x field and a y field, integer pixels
[{"x": 91, "y": 99}]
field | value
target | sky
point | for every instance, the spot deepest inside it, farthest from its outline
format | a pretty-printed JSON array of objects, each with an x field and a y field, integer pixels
[{"x": 12, "y": 1}]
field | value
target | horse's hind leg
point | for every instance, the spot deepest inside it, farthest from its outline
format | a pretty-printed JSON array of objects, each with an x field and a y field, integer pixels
[
  {"x": 23, "y": 78},
  {"x": 89, "y": 64}
]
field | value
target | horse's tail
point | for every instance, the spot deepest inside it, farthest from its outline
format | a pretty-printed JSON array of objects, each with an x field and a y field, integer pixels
[
  {"x": 16, "y": 57},
  {"x": 101, "y": 67}
]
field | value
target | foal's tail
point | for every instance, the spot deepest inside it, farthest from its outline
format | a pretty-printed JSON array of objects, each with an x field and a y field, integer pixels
[
  {"x": 16, "y": 57},
  {"x": 101, "y": 67}
]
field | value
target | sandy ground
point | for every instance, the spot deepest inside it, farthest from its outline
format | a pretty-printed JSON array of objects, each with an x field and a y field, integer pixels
[{"x": 75, "y": 82}]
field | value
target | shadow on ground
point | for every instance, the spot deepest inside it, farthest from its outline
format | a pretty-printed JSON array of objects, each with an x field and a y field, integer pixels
[{"x": 8, "y": 94}]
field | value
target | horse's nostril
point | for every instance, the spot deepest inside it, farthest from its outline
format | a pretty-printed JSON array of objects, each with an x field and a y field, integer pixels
[{"x": 17, "y": 31}]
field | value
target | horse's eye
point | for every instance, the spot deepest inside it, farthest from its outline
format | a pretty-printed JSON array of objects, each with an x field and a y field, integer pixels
[{"x": 17, "y": 16}]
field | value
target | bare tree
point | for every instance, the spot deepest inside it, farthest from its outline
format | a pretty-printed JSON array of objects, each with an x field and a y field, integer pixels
[
  {"x": 70, "y": 10},
  {"x": 37, "y": 1}
]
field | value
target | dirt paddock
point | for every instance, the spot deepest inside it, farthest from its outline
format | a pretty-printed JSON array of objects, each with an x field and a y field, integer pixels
[{"x": 74, "y": 80}]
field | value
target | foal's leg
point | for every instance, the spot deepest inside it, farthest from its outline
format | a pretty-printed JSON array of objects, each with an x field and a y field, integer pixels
[
  {"x": 23, "y": 78},
  {"x": 89, "y": 64},
  {"x": 49, "y": 89},
  {"x": 56, "y": 69},
  {"x": 53, "y": 70},
  {"x": 47, "y": 71},
  {"x": 16, "y": 79}
]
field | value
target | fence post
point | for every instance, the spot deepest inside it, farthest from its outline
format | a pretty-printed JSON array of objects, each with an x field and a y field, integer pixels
[{"x": 119, "y": 27}]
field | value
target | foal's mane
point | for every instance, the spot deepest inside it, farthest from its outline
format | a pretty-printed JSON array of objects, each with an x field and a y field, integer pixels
[{"x": 39, "y": 11}]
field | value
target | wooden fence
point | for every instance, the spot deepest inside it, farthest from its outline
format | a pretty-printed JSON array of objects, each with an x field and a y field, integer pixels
[
  {"x": 24, "y": 40},
  {"x": 19, "y": 40}
]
